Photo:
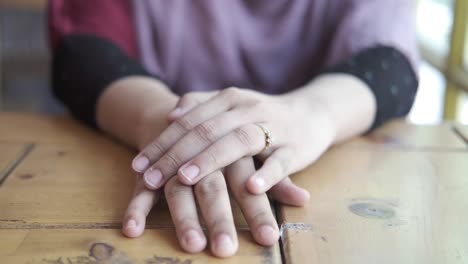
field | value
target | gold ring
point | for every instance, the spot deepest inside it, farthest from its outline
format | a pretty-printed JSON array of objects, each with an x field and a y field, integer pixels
[{"x": 268, "y": 137}]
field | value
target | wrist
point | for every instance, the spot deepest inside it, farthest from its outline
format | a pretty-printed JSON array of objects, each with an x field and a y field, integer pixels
[
  {"x": 132, "y": 108},
  {"x": 314, "y": 111},
  {"x": 152, "y": 119},
  {"x": 346, "y": 101}
]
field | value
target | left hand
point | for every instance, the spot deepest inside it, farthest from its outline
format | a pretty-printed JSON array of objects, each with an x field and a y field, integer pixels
[
  {"x": 211, "y": 195},
  {"x": 211, "y": 135}
]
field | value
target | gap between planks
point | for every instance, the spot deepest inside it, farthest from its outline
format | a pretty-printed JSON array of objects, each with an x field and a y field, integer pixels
[
  {"x": 459, "y": 134},
  {"x": 276, "y": 207},
  {"x": 12, "y": 166},
  {"x": 20, "y": 224}
]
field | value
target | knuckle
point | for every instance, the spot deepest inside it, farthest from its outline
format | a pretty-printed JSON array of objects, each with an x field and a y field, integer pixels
[
  {"x": 210, "y": 159},
  {"x": 232, "y": 92},
  {"x": 260, "y": 217},
  {"x": 186, "y": 223},
  {"x": 184, "y": 124},
  {"x": 206, "y": 132},
  {"x": 170, "y": 162},
  {"x": 242, "y": 193},
  {"x": 154, "y": 150},
  {"x": 171, "y": 182},
  {"x": 282, "y": 165},
  {"x": 243, "y": 136},
  {"x": 262, "y": 107},
  {"x": 173, "y": 189},
  {"x": 132, "y": 212},
  {"x": 221, "y": 223},
  {"x": 209, "y": 187},
  {"x": 188, "y": 99}
]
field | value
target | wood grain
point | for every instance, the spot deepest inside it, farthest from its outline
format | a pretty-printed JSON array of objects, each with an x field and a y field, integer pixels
[
  {"x": 396, "y": 196},
  {"x": 158, "y": 246},
  {"x": 57, "y": 130},
  {"x": 61, "y": 130},
  {"x": 85, "y": 185},
  {"x": 381, "y": 207},
  {"x": 69, "y": 194},
  {"x": 399, "y": 135},
  {"x": 11, "y": 239}
]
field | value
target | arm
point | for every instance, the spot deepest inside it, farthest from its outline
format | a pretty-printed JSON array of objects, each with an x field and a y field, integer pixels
[
  {"x": 95, "y": 72},
  {"x": 370, "y": 79},
  {"x": 346, "y": 101},
  {"x": 375, "y": 41},
  {"x": 134, "y": 109},
  {"x": 96, "y": 76}
]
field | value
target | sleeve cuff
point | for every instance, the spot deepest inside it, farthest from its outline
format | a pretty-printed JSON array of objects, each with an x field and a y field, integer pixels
[
  {"x": 82, "y": 67},
  {"x": 389, "y": 75}
]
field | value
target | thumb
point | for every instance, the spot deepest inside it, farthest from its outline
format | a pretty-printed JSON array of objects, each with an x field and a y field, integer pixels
[{"x": 287, "y": 192}]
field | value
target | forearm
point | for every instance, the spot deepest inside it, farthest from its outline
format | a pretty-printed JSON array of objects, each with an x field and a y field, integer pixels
[
  {"x": 347, "y": 102},
  {"x": 134, "y": 109}
]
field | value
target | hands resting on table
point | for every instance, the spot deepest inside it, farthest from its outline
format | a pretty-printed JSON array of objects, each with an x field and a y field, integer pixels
[
  {"x": 209, "y": 148},
  {"x": 212, "y": 131}
]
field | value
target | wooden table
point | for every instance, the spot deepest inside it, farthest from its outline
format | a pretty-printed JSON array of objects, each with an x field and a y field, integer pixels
[{"x": 399, "y": 195}]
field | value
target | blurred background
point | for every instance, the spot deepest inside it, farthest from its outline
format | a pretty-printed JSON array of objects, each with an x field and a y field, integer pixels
[{"x": 442, "y": 31}]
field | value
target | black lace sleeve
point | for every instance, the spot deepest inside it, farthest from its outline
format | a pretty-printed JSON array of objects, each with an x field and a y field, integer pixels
[
  {"x": 82, "y": 67},
  {"x": 390, "y": 76}
]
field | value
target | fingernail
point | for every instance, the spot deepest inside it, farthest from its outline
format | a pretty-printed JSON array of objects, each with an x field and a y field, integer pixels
[
  {"x": 306, "y": 195},
  {"x": 259, "y": 182},
  {"x": 131, "y": 224},
  {"x": 141, "y": 163},
  {"x": 224, "y": 243},
  {"x": 192, "y": 237},
  {"x": 153, "y": 177},
  {"x": 266, "y": 233},
  {"x": 190, "y": 172}
]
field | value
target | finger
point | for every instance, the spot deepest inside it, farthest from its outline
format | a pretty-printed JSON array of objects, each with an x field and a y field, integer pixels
[
  {"x": 181, "y": 202},
  {"x": 198, "y": 139},
  {"x": 286, "y": 192},
  {"x": 188, "y": 102},
  {"x": 274, "y": 169},
  {"x": 213, "y": 199},
  {"x": 244, "y": 141},
  {"x": 256, "y": 208},
  {"x": 181, "y": 126},
  {"x": 134, "y": 220}
]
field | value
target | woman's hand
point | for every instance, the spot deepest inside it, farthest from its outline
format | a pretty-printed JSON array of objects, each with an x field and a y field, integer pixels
[
  {"x": 212, "y": 197},
  {"x": 208, "y": 136},
  {"x": 218, "y": 217}
]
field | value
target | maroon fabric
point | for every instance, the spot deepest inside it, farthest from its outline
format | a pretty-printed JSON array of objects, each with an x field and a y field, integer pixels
[{"x": 111, "y": 19}]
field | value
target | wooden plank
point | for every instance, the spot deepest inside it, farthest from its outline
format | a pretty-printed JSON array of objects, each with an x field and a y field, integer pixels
[
  {"x": 42, "y": 129},
  {"x": 380, "y": 207},
  {"x": 462, "y": 131},
  {"x": 11, "y": 240},
  {"x": 399, "y": 134},
  {"x": 109, "y": 246},
  {"x": 10, "y": 153},
  {"x": 65, "y": 131},
  {"x": 64, "y": 202},
  {"x": 86, "y": 185}
]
